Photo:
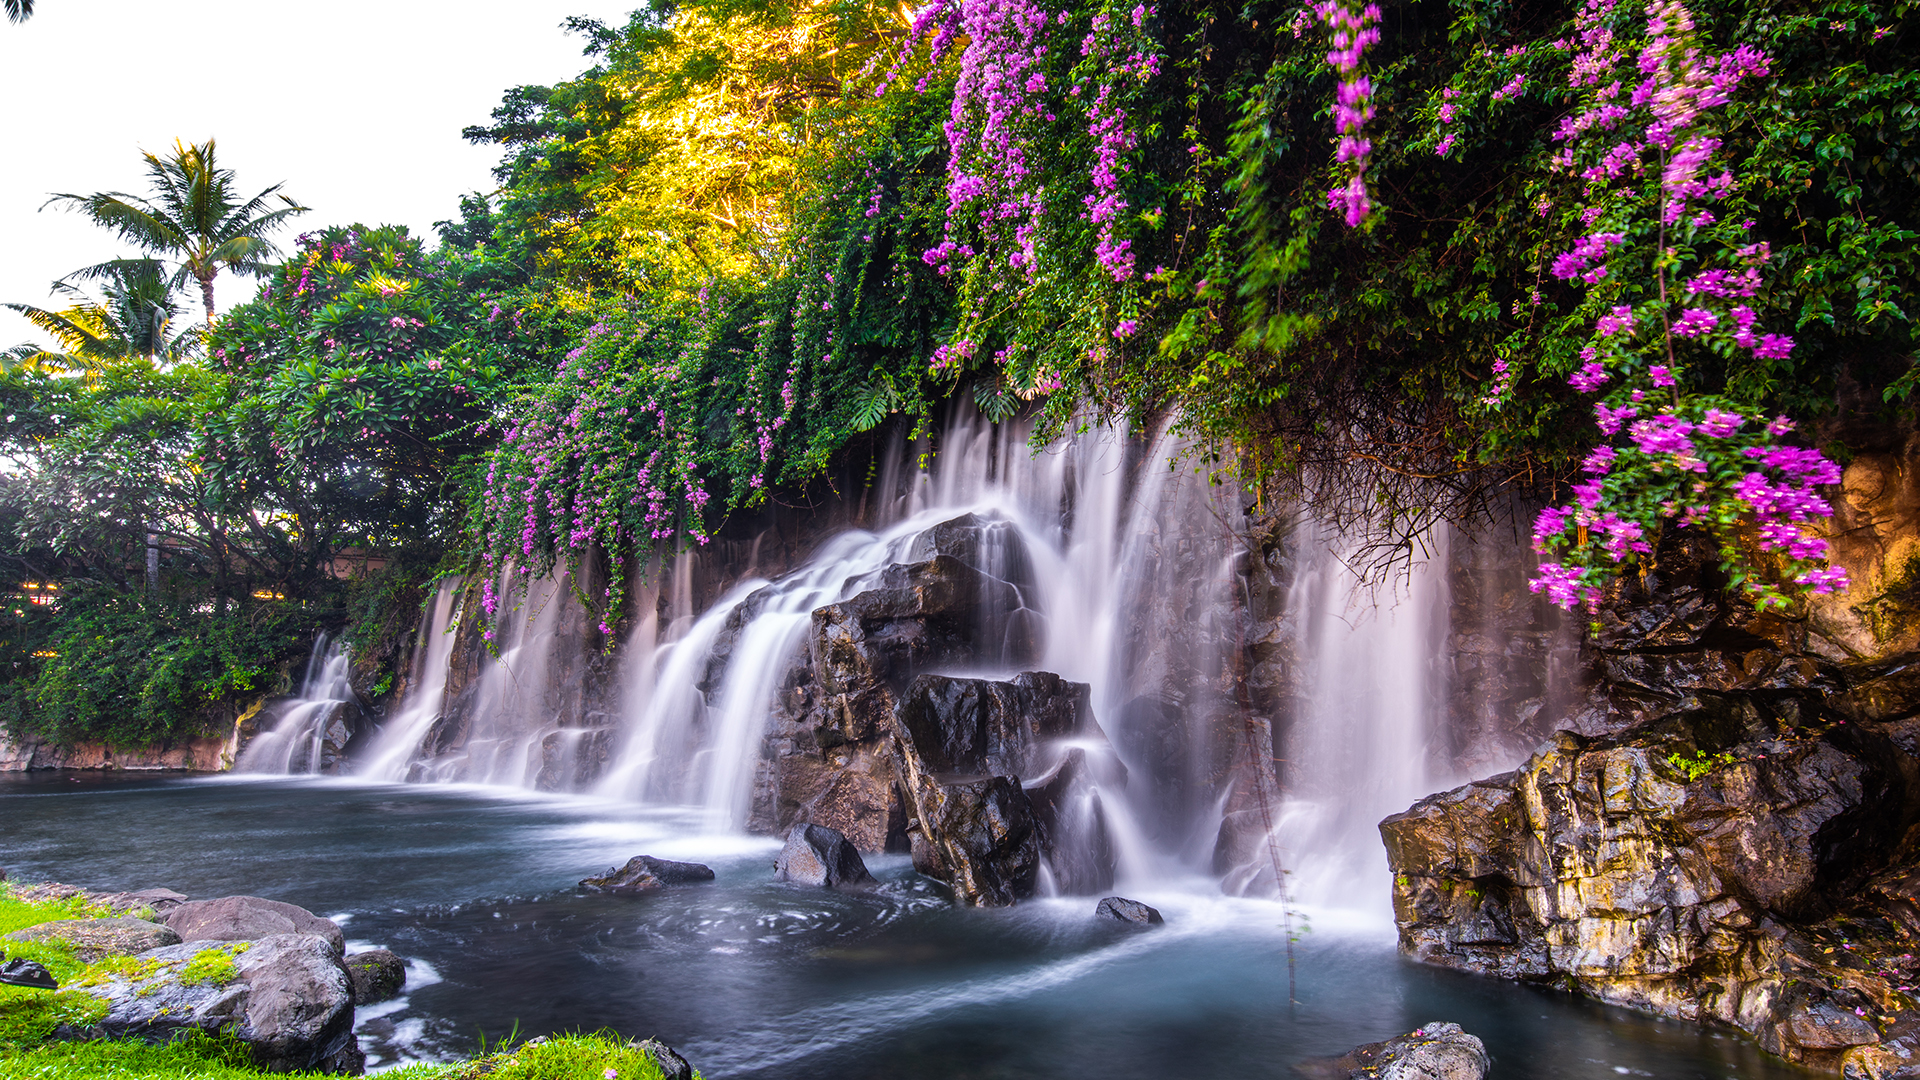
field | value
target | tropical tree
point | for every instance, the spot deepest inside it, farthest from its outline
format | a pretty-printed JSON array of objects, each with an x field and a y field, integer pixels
[
  {"x": 19, "y": 10},
  {"x": 193, "y": 217},
  {"x": 133, "y": 318}
]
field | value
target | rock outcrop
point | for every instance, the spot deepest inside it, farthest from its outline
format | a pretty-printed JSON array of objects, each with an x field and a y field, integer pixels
[
  {"x": 1743, "y": 856},
  {"x": 210, "y": 753},
  {"x": 644, "y": 873},
  {"x": 286, "y": 996}
]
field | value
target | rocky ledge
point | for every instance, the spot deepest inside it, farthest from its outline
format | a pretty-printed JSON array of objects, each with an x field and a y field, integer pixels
[{"x": 1747, "y": 856}]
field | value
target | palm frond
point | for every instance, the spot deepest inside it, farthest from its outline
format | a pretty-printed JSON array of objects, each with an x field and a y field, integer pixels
[{"x": 19, "y": 11}]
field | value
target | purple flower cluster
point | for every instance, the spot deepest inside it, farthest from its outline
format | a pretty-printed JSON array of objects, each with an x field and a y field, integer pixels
[
  {"x": 1353, "y": 32},
  {"x": 1693, "y": 460}
]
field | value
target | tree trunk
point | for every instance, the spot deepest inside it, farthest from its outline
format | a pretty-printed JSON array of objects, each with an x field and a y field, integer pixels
[
  {"x": 206, "y": 293},
  {"x": 153, "y": 563}
]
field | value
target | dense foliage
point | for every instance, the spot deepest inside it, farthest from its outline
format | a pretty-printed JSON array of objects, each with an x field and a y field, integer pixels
[{"x": 1335, "y": 238}]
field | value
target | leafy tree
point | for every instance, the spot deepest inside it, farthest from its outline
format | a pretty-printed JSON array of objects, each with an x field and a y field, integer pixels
[
  {"x": 19, "y": 11},
  {"x": 193, "y": 216}
]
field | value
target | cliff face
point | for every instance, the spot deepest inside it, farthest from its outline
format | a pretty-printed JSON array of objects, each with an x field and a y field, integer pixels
[
  {"x": 212, "y": 753},
  {"x": 1726, "y": 825}
]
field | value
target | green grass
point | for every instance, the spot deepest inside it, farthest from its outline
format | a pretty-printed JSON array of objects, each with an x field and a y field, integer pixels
[
  {"x": 563, "y": 1057},
  {"x": 28, "y": 1018}
]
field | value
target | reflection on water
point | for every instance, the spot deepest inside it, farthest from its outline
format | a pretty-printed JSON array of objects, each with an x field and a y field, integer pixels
[{"x": 757, "y": 979}]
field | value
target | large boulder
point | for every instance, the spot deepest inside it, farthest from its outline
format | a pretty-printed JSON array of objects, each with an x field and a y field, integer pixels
[
  {"x": 286, "y": 996},
  {"x": 97, "y": 939},
  {"x": 1432, "y": 1052},
  {"x": 977, "y": 835},
  {"x": 644, "y": 873},
  {"x": 817, "y": 855},
  {"x": 244, "y": 918},
  {"x": 961, "y": 748}
]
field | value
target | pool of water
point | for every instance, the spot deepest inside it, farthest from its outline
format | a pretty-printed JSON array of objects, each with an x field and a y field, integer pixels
[{"x": 755, "y": 979}]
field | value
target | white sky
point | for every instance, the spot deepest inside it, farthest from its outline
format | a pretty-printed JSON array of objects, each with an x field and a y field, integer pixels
[{"x": 356, "y": 104}]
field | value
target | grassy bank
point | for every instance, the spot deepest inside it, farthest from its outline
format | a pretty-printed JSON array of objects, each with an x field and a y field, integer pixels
[{"x": 28, "y": 1018}]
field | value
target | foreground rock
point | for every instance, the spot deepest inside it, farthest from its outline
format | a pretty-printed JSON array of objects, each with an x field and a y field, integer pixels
[
  {"x": 1122, "y": 910},
  {"x": 375, "y": 975},
  {"x": 97, "y": 939},
  {"x": 244, "y": 918},
  {"x": 817, "y": 855},
  {"x": 1737, "y": 860},
  {"x": 286, "y": 996},
  {"x": 961, "y": 748},
  {"x": 1432, "y": 1052},
  {"x": 140, "y": 903},
  {"x": 644, "y": 873}
]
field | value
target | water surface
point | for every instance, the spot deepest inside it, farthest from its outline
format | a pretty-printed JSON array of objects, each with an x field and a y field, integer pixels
[{"x": 754, "y": 979}]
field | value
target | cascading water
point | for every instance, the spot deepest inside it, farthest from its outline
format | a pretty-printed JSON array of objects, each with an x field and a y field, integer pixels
[
  {"x": 1133, "y": 572},
  {"x": 400, "y": 738},
  {"x": 1371, "y": 695},
  {"x": 313, "y": 727}
]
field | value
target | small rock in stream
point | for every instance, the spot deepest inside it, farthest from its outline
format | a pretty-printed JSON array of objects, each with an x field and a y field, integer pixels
[
  {"x": 1433, "y": 1051},
  {"x": 375, "y": 975},
  {"x": 1122, "y": 910},
  {"x": 672, "y": 1065},
  {"x": 644, "y": 872},
  {"x": 817, "y": 855}
]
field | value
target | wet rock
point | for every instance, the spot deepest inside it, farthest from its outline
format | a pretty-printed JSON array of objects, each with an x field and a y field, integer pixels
[
  {"x": 1432, "y": 1052},
  {"x": 816, "y": 855},
  {"x": 1120, "y": 909},
  {"x": 97, "y": 939},
  {"x": 979, "y": 836},
  {"x": 644, "y": 873},
  {"x": 983, "y": 727},
  {"x": 672, "y": 1065},
  {"x": 244, "y": 918},
  {"x": 375, "y": 975},
  {"x": 285, "y": 995}
]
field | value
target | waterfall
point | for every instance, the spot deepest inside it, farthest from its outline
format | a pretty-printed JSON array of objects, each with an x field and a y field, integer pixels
[
  {"x": 1371, "y": 699},
  {"x": 1127, "y": 568},
  {"x": 310, "y": 730},
  {"x": 422, "y": 700}
]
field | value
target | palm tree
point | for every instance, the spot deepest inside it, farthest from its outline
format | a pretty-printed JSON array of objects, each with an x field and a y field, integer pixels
[
  {"x": 192, "y": 217},
  {"x": 132, "y": 319},
  {"x": 19, "y": 10}
]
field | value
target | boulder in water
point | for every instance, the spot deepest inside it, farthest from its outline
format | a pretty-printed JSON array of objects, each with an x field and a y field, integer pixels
[
  {"x": 644, "y": 873},
  {"x": 1433, "y": 1052},
  {"x": 817, "y": 855},
  {"x": 97, "y": 939},
  {"x": 375, "y": 975},
  {"x": 285, "y": 995},
  {"x": 245, "y": 918},
  {"x": 1122, "y": 910},
  {"x": 978, "y": 836}
]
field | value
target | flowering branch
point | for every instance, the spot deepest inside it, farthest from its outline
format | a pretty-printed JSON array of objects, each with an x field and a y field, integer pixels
[{"x": 1643, "y": 146}]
